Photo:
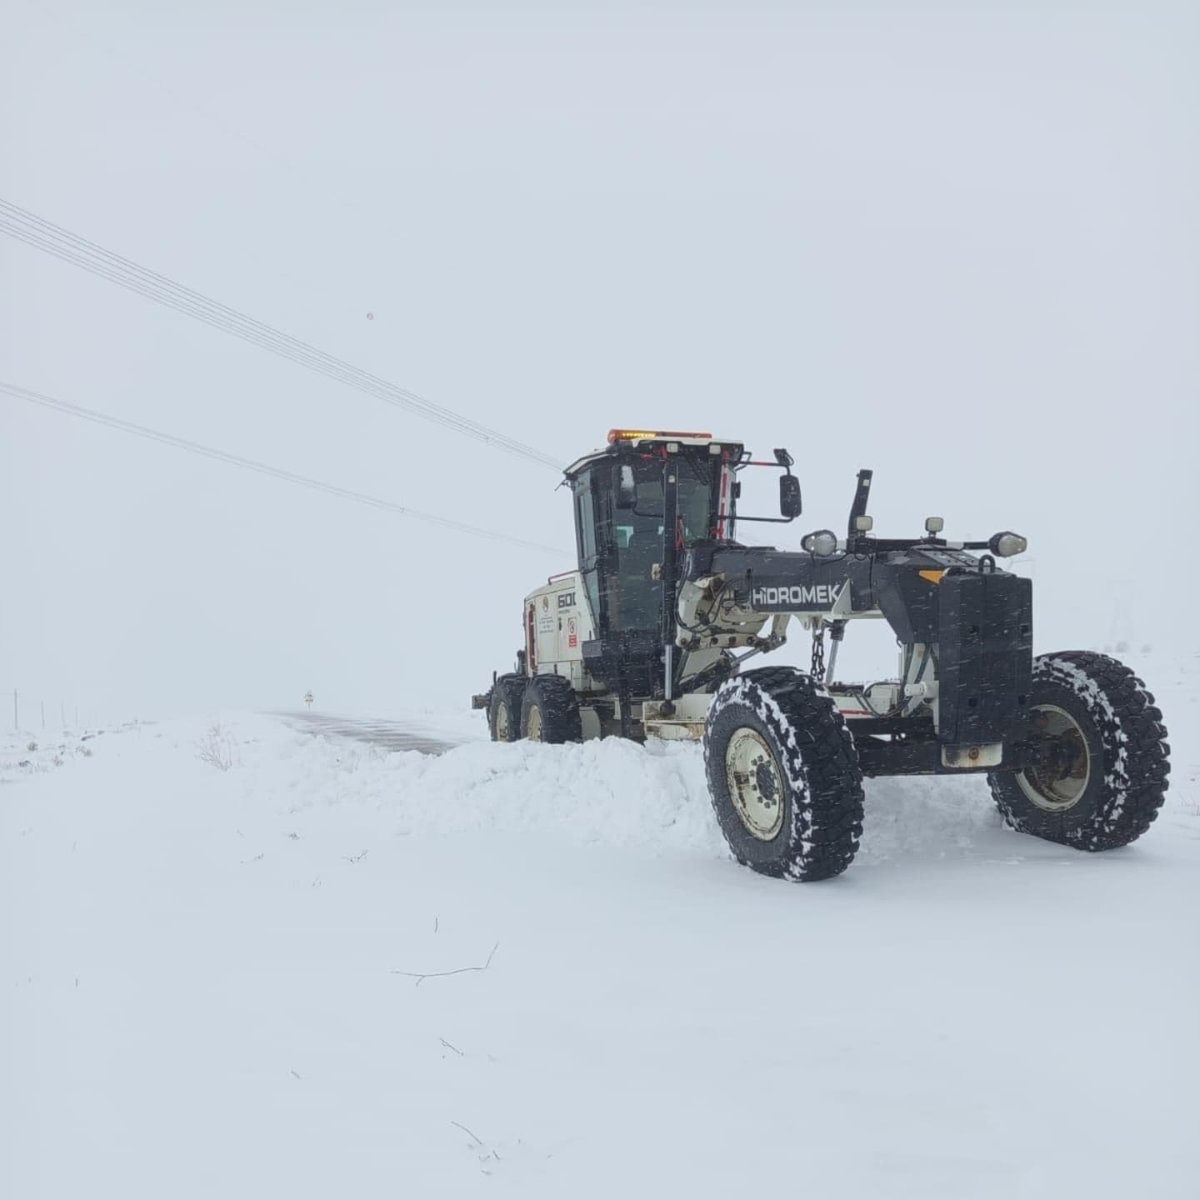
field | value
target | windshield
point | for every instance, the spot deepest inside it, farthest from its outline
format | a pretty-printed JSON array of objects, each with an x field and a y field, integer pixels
[{"x": 643, "y": 527}]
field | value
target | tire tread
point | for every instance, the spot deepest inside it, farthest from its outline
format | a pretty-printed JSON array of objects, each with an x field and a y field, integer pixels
[
  {"x": 826, "y": 843},
  {"x": 561, "y": 720},
  {"x": 508, "y": 690},
  {"x": 1118, "y": 820}
]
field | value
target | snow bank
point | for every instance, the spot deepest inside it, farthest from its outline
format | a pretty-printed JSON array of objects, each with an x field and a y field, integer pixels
[{"x": 611, "y": 792}]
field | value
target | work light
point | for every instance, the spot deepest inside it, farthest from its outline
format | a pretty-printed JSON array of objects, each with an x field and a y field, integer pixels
[
  {"x": 1007, "y": 544},
  {"x": 824, "y": 541}
]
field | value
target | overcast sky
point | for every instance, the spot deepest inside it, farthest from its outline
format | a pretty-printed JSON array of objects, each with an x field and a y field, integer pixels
[{"x": 956, "y": 243}]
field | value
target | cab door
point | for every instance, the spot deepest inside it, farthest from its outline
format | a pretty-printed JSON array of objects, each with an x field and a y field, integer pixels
[
  {"x": 588, "y": 538},
  {"x": 619, "y": 549}
]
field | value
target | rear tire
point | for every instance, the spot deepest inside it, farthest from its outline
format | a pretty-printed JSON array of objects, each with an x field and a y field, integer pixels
[
  {"x": 1104, "y": 777},
  {"x": 783, "y": 775},
  {"x": 504, "y": 710},
  {"x": 550, "y": 711}
]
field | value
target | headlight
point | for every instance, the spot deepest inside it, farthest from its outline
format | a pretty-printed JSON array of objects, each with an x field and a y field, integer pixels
[
  {"x": 824, "y": 541},
  {"x": 1007, "y": 544}
]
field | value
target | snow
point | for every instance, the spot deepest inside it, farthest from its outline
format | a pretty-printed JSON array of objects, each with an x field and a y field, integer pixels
[{"x": 210, "y": 979}]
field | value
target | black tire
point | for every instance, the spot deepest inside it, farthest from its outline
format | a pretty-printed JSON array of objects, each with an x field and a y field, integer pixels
[
  {"x": 550, "y": 710},
  {"x": 1103, "y": 774},
  {"x": 800, "y": 752},
  {"x": 504, "y": 709}
]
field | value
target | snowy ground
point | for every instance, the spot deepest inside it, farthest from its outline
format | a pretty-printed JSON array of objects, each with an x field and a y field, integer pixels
[{"x": 207, "y": 988}]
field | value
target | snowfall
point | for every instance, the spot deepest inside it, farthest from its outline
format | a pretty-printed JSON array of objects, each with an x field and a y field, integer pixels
[{"x": 240, "y": 958}]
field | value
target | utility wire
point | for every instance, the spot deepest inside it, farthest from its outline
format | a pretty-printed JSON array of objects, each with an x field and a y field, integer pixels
[
  {"x": 249, "y": 464},
  {"x": 35, "y": 231}
]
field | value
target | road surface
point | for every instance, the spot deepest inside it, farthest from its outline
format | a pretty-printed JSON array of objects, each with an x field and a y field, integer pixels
[{"x": 392, "y": 735}]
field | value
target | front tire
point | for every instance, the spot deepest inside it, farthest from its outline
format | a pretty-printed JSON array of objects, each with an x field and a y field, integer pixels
[
  {"x": 550, "y": 711},
  {"x": 783, "y": 775},
  {"x": 1101, "y": 757}
]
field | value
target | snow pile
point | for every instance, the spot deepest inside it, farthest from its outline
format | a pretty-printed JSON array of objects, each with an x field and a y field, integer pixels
[{"x": 611, "y": 792}]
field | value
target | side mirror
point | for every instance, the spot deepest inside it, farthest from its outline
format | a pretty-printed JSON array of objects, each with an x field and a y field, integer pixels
[
  {"x": 789, "y": 497},
  {"x": 626, "y": 488}
]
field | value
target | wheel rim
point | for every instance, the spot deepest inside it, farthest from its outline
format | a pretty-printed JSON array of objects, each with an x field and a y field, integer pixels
[
  {"x": 755, "y": 784},
  {"x": 534, "y": 732},
  {"x": 1059, "y": 781},
  {"x": 503, "y": 732}
]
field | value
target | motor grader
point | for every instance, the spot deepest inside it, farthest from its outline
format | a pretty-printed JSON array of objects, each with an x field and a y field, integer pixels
[{"x": 650, "y": 635}]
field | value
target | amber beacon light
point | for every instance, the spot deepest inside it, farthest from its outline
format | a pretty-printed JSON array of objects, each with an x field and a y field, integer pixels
[{"x": 637, "y": 435}]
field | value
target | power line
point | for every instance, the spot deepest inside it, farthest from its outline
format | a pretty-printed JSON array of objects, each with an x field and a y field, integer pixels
[
  {"x": 35, "y": 231},
  {"x": 250, "y": 464},
  {"x": 61, "y": 243}
]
